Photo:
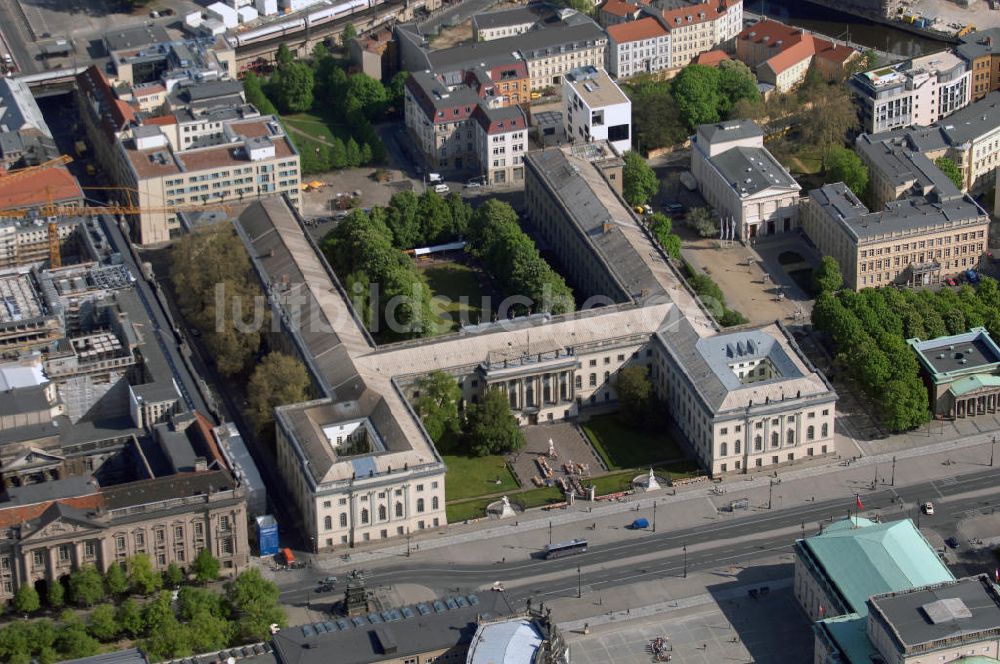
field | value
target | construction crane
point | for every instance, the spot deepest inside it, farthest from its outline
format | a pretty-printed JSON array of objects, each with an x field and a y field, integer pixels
[{"x": 19, "y": 173}]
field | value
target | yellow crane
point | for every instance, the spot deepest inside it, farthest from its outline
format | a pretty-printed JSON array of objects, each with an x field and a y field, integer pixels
[{"x": 18, "y": 173}]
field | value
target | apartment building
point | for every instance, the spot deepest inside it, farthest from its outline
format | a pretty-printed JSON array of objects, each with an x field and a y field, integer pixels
[
  {"x": 144, "y": 54},
  {"x": 254, "y": 159},
  {"x": 615, "y": 12},
  {"x": 981, "y": 52},
  {"x": 702, "y": 27},
  {"x": 509, "y": 22},
  {"x": 637, "y": 47},
  {"x": 753, "y": 194},
  {"x": 782, "y": 54},
  {"x": 501, "y": 143},
  {"x": 969, "y": 137},
  {"x": 25, "y": 138},
  {"x": 918, "y": 241},
  {"x": 596, "y": 109},
  {"x": 555, "y": 46},
  {"x": 919, "y": 91},
  {"x": 439, "y": 111}
]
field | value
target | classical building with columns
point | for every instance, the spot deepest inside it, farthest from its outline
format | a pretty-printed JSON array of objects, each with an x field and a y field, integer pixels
[
  {"x": 357, "y": 461},
  {"x": 962, "y": 373}
]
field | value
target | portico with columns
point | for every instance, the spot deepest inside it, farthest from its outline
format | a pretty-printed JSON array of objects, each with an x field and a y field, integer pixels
[
  {"x": 539, "y": 387},
  {"x": 961, "y": 372}
]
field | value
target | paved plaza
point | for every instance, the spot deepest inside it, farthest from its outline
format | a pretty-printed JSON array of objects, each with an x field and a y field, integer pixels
[
  {"x": 774, "y": 629},
  {"x": 570, "y": 446}
]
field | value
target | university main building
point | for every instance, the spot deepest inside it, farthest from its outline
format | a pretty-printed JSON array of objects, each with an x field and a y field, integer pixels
[{"x": 357, "y": 460}]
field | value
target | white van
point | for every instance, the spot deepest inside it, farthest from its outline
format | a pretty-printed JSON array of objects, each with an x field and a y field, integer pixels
[
  {"x": 441, "y": 189},
  {"x": 434, "y": 177}
]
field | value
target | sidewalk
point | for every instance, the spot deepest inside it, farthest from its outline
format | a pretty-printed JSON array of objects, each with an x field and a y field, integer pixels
[{"x": 697, "y": 503}]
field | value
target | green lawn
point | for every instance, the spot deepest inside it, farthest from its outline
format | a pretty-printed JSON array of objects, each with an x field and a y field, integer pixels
[
  {"x": 613, "y": 483},
  {"x": 468, "y": 477},
  {"x": 451, "y": 282},
  {"x": 313, "y": 125},
  {"x": 469, "y": 509},
  {"x": 476, "y": 508},
  {"x": 538, "y": 497},
  {"x": 622, "y": 447}
]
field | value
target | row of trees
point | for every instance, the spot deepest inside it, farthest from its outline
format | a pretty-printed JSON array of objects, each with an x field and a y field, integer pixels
[
  {"x": 512, "y": 260},
  {"x": 869, "y": 331},
  {"x": 482, "y": 429},
  {"x": 201, "y": 620},
  {"x": 216, "y": 290},
  {"x": 361, "y": 248},
  {"x": 420, "y": 221},
  {"x": 662, "y": 228},
  {"x": 86, "y": 586}
]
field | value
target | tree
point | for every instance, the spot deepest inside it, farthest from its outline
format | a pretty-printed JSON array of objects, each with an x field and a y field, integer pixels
[
  {"x": 115, "y": 581},
  {"x": 320, "y": 51},
  {"x": 747, "y": 109},
  {"x": 254, "y": 93},
  {"x": 173, "y": 576},
  {"x": 157, "y": 612},
  {"x": 696, "y": 90},
  {"x": 103, "y": 624},
  {"x": 352, "y": 153},
  {"x": 255, "y": 606},
  {"x": 396, "y": 91},
  {"x": 293, "y": 87},
  {"x": 206, "y": 566},
  {"x": 72, "y": 640},
  {"x": 129, "y": 618},
  {"x": 951, "y": 169},
  {"x": 656, "y": 120},
  {"x": 284, "y": 57},
  {"x": 277, "y": 381},
  {"x": 827, "y": 277},
  {"x": 490, "y": 426},
  {"x": 366, "y": 97},
  {"x": 832, "y": 116},
  {"x": 639, "y": 182},
  {"x": 141, "y": 575},
  {"x": 635, "y": 393},
  {"x": 438, "y": 405},
  {"x": 192, "y": 602},
  {"x": 26, "y": 599},
  {"x": 701, "y": 220},
  {"x": 844, "y": 165},
  {"x": 56, "y": 596},
  {"x": 169, "y": 641},
  {"x": 86, "y": 587},
  {"x": 736, "y": 83},
  {"x": 348, "y": 33}
]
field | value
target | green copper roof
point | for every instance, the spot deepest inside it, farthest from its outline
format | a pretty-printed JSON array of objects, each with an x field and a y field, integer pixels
[
  {"x": 972, "y": 383},
  {"x": 850, "y": 633},
  {"x": 862, "y": 558}
]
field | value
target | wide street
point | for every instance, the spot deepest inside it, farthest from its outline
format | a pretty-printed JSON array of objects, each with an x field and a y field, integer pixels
[{"x": 647, "y": 556}]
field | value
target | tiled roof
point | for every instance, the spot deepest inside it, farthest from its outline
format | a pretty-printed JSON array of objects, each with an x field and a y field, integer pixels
[
  {"x": 831, "y": 51},
  {"x": 801, "y": 50},
  {"x": 15, "y": 515},
  {"x": 711, "y": 58},
  {"x": 770, "y": 32},
  {"x": 644, "y": 28},
  {"x": 694, "y": 14},
  {"x": 619, "y": 8},
  {"x": 54, "y": 185},
  {"x": 161, "y": 120}
]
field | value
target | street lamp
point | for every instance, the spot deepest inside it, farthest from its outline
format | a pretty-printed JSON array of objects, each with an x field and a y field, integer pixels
[
  {"x": 407, "y": 542},
  {"x": 654, "y": 515},
  {"x": 685, "y": 548},
  {"x": 993, "y": 447},
  {"x": 892, "y": 480},
  {"x": 770, "y": 492},
  {"x": 875, "y": 479},
  {"x": 550, "y": 532},
  {"x": 579, "y": 583}
]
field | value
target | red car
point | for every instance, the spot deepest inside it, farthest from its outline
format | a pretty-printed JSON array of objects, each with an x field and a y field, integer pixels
[{"x": 951, "y": 282}]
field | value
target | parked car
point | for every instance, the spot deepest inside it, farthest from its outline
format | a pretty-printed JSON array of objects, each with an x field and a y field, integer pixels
[
  {"x": 952, "y": 542},
  {"x": 639, "y": 524},
  {"x": 928, "y": 508},
  {"x": 951, "y": 282},
  {"x": 441, "y": 189},
  {"x": 434, "y": 177},
  {"x": 673, "y": 208},
  {"x": 972, "y": 276}
]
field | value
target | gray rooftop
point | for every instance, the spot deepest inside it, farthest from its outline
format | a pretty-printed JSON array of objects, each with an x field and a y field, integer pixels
[
  {"x": 601, "y": 226},
  {"x": 128, "y": 656},
  {"x": 529, "y": 45},
  {"x": 164, "y": 488},
  {"x": 973, "y": 121},
  {"x": 909, "y": 214},
  {"x": 517, "y": 16},
  {"x": 439, "y": 95},
  {"x": 29, "y": 399},
  {"x": 392, "y": 634},
  {"x": 980, "y": 43},
  {"x": 135, "y": 36},
  {"x": 67, "y": 487},
  {"x": 894, "y": 159},
  {"x": 940, "y": 616},
  {"x": 729, "y": 130},
  {"x": 750, "y": 171},
  {"x": 18, "y": 110},
  {"x": 719, "y": 352},
  {"x": 967, "y": 350}
]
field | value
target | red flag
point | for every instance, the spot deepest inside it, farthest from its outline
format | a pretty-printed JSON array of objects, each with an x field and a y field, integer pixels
[
  {"x": 821, "y": 611},
  {"x": 858, "y": 500},
  {"x": 996, "y": 574}
]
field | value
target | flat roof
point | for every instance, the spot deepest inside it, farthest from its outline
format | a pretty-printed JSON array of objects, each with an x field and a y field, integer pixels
[
  {"x": 749, "y": 171},
  {"x": 595, "y": 87},
  {"x": 940, "y": 616},
  {"x": 135, "y": 36},
  {"x": 958, "y": 352},
  {"x": 528, "y": 45},
  {"x": 729, "y": 130},
  {"x": 516, "y": 640},
  {"x": 516, "y": 16},
  {"x": 392, "y": 634}
]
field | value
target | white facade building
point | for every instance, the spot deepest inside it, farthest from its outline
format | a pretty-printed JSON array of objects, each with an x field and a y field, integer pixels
[
  {"x": 502, "y": 142},
  {"x": 745, "y": 184},
  {"x": 595, "y": 109},
  {"x": 638, "y": 47},
  {"x": 916, "y": 92}
]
